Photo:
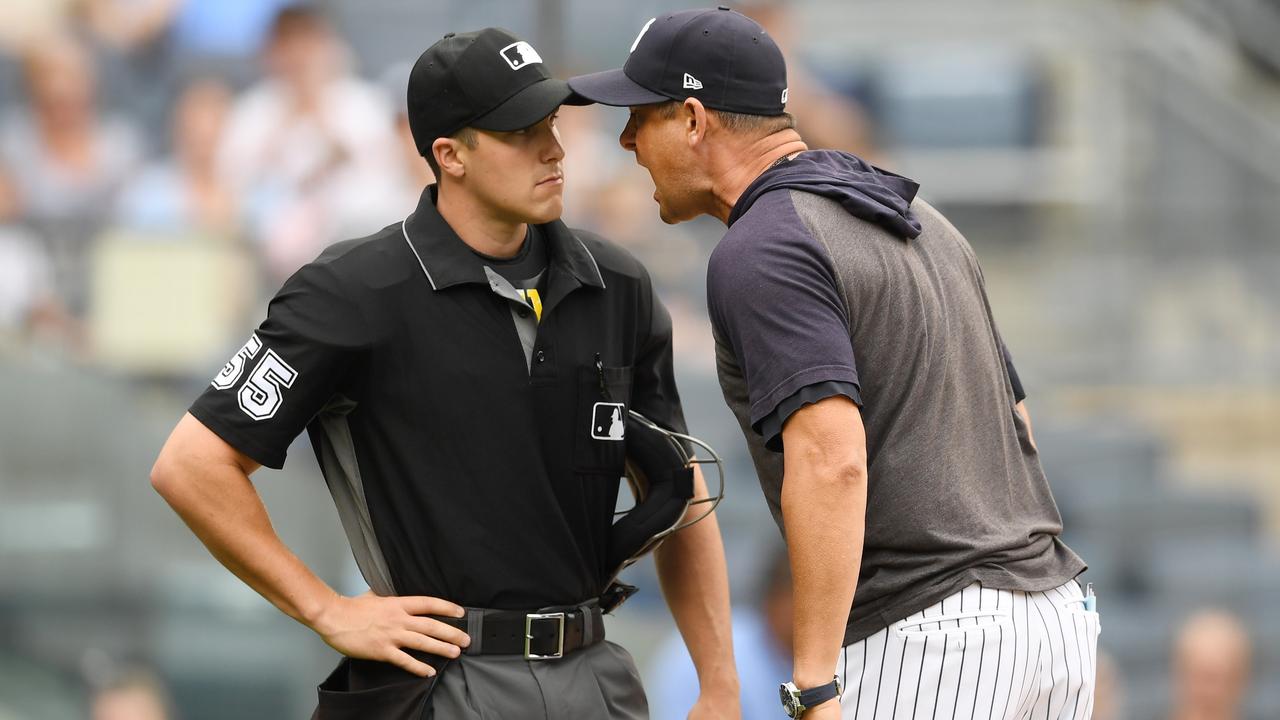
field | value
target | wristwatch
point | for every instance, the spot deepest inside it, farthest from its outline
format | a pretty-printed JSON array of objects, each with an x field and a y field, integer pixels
[{"x": 795, "y": 701}]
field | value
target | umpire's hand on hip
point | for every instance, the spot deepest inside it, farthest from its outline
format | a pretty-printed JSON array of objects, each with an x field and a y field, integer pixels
[{"x": 372, "y": 627}]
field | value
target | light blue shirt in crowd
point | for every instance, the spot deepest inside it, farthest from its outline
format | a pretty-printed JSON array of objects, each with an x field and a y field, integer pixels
[{"x": 672, "y": 684}]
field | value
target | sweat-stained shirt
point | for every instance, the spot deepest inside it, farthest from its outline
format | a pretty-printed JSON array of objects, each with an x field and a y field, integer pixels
[{"x": 834, "y": 280}]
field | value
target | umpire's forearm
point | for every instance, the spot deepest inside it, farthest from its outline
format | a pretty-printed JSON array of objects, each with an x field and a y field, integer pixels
[
  {"x": 695, "y": 582},
  {"x": 217, "y": 500}
]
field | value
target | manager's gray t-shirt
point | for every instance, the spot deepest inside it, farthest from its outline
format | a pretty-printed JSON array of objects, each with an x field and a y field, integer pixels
[{"x": 821, "y": 287}]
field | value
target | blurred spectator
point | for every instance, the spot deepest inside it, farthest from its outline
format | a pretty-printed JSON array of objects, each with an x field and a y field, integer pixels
[
  {"x": 415, "y": 174},
  {"x": 27, "y": 20},
  {"x": 66, "y": 161},
  {"x": 762, "y": 638},
  {"x": 24, "y": 271},
  {"x": 311, "y": 148},
  {"x": 135, "y": 695},
  {"x": 825, "y": 118},
  {"x": 592, "y": 162},
  {"x": 1212, "y": 659},
  {"x": 138, "y": 65},
  {"x": 228, "y": 29},
  {"x": 130, "y": 24},
  {"x": 1108, "y": 690},
  {"x": 184, "y": 191}
]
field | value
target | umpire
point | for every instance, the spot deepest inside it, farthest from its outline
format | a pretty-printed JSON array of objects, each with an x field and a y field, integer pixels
[
  {"x": 460, "y": 374},
  {"x": 857, "y": 348}
]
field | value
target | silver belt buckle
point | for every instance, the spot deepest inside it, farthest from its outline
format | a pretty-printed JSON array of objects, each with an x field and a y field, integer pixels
[{"x": 528, "y": 635}]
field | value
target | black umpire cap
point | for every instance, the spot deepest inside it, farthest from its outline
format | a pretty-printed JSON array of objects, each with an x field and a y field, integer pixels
[
  {"x": 488, "y": 79},
  {"x": 720, "y": 56}
]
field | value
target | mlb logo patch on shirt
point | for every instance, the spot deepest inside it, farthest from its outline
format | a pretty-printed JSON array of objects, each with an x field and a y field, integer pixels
[{"x": 607, "y": 421}]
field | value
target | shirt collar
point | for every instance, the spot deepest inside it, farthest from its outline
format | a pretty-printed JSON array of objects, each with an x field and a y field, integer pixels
[{"x": 447, "y": 261}]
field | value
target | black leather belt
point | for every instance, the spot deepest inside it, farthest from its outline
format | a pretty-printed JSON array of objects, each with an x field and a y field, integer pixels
[{"x": 545, "y": 634}]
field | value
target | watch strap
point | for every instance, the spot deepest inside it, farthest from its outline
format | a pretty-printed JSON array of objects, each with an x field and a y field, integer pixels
[{"x": 818, "y": 695}]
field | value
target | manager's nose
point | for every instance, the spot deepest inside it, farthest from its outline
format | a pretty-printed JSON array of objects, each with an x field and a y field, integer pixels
[{"x": 628, "y": 137}]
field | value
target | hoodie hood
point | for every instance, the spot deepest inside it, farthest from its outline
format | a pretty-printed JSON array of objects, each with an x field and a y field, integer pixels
[{"x": 865, "y": 191}]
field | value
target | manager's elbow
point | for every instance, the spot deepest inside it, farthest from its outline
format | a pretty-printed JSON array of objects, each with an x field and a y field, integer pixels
[
  {"x": 851, "y": 474},
  {"x": 833, "y": 477}
]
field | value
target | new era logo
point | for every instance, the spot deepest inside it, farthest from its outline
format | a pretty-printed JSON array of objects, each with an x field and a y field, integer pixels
[
  {"x": 519, "y": 54},
  {"x": 607, "y": 421},
  {"x": 691, "y": 82}
]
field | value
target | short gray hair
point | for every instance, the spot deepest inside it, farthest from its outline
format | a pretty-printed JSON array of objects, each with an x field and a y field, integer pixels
[{"x": 738, "y": 123}]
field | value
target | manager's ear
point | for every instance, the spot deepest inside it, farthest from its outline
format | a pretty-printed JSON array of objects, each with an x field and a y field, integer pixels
[
  {"x": 695, "y": 117},
  {"x": 450, "y": 156}
]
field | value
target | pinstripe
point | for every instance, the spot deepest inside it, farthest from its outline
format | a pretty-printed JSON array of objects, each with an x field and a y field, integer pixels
[
  {"x": 1080, "y": 660},
  {"x": 1028, "y": 672},
  {"x": 995, "y": 686},
  {"x": 1066, "y": 656},
  {"x": 942, "y": 667},
  {"x": 1092, "y": 640},
  {"x": 964, "y": 651},
  {"x": 1048, "y": 702},
  {"x": 977, "y": 683},
  {"x": 1051, "y": 666},
  {"x": 844, "y": 676},
  {"x": 897, "y": 687},
  {"x": 875, "y": 709},
  {"x": 1034, "y": 682},
  {"x": 862, "y": 677},
  {"x": 1080, "y": 692},
  {"x": 915, "y": 703},
  {"x": 1014, "y": 666}
]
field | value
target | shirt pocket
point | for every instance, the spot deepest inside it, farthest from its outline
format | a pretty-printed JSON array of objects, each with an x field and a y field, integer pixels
[{"x": 604, "y": 397}]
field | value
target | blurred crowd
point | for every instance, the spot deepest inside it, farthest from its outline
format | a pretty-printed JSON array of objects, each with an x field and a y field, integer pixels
[
  {"x": 165, "y": 164},
  {"x": 133, "y": 130},
  {"x": 192, "y": 147}
]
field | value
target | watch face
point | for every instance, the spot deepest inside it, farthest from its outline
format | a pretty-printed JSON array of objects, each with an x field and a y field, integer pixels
[{"x": 790, "y": 704}]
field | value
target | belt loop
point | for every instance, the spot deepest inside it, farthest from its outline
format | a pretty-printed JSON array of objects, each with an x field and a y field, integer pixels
[
  {"x": 588, "y": 627},
  {"x": 475, "y": 629}
]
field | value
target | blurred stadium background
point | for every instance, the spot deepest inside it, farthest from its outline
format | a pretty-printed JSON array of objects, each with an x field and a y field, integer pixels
[{"x": 165, "y": 163}]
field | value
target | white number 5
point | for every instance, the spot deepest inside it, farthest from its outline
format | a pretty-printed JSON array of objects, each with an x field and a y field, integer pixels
[
  {"x": 261, "y": 395},
  {"x": 231, "y": 372}
]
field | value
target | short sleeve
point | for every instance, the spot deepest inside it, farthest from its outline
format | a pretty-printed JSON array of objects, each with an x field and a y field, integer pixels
[
  {"x": 770, "y": 427},
  {"x": 287, "y": 371},
  {"x": 776, "y": 302},
  {"x": 653, "y": 386}
]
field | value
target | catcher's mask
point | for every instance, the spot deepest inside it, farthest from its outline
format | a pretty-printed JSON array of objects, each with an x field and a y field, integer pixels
[{"x": 659, "y": 472}]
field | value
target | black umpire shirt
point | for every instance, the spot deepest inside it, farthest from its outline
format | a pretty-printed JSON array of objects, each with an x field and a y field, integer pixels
[{"x": 465, "y": 463}]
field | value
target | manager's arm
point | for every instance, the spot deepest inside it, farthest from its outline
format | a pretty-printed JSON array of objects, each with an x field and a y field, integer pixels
[
  {"x": 824, "y": 502},
  {"x": 206, "y": 481}
]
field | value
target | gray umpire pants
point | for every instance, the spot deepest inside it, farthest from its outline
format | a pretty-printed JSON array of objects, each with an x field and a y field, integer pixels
[{"x": 600, "y": 681}]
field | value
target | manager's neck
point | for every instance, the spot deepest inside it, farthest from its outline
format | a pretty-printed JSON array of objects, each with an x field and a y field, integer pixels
[{"x": 743, "y": 164}]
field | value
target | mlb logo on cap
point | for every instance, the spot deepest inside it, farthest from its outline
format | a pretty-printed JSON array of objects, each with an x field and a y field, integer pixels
[
  {"x": 608, "y": 421},
  {"x": 519, "y": 54}
]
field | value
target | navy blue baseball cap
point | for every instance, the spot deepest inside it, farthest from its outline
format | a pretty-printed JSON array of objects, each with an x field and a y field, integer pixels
[
  {"x": 488, "y": 79},
  {"x": 720, "y": 56}
]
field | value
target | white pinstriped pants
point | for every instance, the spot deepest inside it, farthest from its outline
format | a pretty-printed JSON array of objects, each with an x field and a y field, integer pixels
[{"x": 980, "y": 653}]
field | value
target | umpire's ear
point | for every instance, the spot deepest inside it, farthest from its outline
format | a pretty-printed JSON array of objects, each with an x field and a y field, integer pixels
[{"x": 450, "y": 154}]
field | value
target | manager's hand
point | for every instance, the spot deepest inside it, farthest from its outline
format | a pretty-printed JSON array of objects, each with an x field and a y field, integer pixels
[{"x": 373, "y": 627}]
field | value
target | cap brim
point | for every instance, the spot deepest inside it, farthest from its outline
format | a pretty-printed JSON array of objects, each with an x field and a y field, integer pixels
[
  {"x": 527, "y": 107},
  {"x": 613, "y": 87}
]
